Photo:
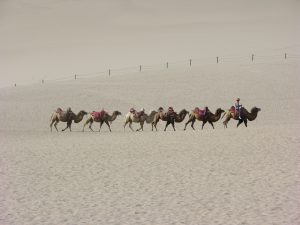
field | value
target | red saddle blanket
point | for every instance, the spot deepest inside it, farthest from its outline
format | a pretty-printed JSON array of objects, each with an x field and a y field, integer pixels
[
  {"x": 98, "y": 115},
  {"x": 234, "y": 112},
  {"x": 200, "y": 112}
]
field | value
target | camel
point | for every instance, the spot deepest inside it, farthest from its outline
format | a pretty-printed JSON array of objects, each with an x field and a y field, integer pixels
[
  {"x": 69, "y": 116},
  {"x": 169, "y": 117},
  {"x": 209, "y": 117},
  {"x": 104, "y": 118},
  {"x": 132, "y": 118},
  {"x": 245, "y": 115}
]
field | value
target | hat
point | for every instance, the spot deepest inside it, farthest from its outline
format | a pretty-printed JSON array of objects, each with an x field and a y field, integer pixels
[{"x": 238, "y": 99}]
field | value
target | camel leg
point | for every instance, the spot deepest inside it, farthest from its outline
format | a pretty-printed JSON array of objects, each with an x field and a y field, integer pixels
[
  {"x": 239, "y": 123},
  {"x": 167, "y": 124},
  {"x": 108, "y": 125},
  {"x": 125, "y": 124},
  {"x": 245, "y": 122},
  {"x": 203, "y": 123},
  {"x": 142, "y": 126},
  {"x": 90, "y": 126},
  {"x": 190, "y": 120},
  {"x": 65, "y": 127},
  {"x": 211, "y": 123},
  {"x": 100, "y": 125},
  {"x": 155, "y": 125},
  {"x": 130, "y": 126},
  {"x": 225, "y": 122},
  {"x": 70, "y": 126},
  {"x": 173, "y": 125},
  {"x": 51, "y": 124},
  {"x": 56, "y": 122},
  {"x": 192, "y": 125},
  {"x": 86, "y": 122}
]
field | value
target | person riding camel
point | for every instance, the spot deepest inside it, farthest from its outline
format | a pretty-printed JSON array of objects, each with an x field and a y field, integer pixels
[
  {"x": 170, "y": 111},
  {"x": 238, "y": 107}
]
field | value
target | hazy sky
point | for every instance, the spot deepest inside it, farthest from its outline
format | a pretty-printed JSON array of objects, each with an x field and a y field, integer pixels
[{"x": 53, "y": 38}]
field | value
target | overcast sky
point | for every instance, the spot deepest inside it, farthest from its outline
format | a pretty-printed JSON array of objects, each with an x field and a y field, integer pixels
[{"x": 44, "y": 39}]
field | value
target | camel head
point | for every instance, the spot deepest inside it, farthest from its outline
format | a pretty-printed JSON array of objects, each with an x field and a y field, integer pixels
[
  {"x": 183, "y": 112},
  {"x": 219, "y": 110},
  {"x": 117, "y": 113},
  {"x": 255, "y": 109},
  {"x": 82, "y": 112}
]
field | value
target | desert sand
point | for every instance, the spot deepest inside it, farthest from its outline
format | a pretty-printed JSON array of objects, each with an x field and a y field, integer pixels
[
  {"x": 221, "y": 176},
  {"x": 230, "y": 176}
]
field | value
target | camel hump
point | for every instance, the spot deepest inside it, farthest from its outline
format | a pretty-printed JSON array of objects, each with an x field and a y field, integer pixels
[
  {"x": 160, "y": 109},
  {"x": 98, "y": 115},
  {"x": 200, "y": 112},
  {"x": 132, "y": 110},
  {"x": 232, "y": 109},
  {"x": 58, "y": 110}
]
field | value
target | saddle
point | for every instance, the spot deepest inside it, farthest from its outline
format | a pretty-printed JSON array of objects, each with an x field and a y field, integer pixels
[
  {"x": 234, "y": 112},
  {"x": 136, "y": 113},
  {"x": 63, "y": 113},
  {"x": 132, "y": 110},
  {"x": 200, "y": 112},
  {"x": 139, "y": 114},
  {"x": 98, "y": 115}
]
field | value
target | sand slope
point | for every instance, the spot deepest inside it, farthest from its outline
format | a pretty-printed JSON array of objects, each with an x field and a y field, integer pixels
[{"x": 233, "y": 176}]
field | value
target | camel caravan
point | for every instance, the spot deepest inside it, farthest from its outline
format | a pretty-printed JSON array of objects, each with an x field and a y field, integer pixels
[{"x": 169, "y": 116}]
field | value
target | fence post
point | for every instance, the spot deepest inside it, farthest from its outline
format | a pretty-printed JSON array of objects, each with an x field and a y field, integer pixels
[
  {"x": 109, "y": 72},
  {"x": 15, "y": 85},
  {"x": 167, "y": 65},
  {"x": 284, "y": 55},
  {"x": 252, "y": 57},
  {"x": 75, "y": 76},
  {"x": 190, "y": 62},
  {"x": 217, "y": 59},
  {"x": 140, "y": 68},
  {"x": 43, "y": 81}
]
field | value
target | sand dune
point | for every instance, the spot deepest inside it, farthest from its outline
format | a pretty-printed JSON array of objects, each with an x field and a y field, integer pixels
[{"x": 233, "y": 176}]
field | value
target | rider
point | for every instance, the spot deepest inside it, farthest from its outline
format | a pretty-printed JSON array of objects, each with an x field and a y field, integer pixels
[
  {"x": 170, "y": 110},
  {"x": 238, "y": 107}
]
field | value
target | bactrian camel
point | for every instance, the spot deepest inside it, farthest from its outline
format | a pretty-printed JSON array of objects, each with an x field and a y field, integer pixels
[
  {"x": 68, "y": 117},
  {"x": 103, "y": 117},
  {"x": 132, "y": 118},
  {"x": 208, "y": 117},
  {"x": 169, "y": 117},
  {"x": 244, "y": 115}
]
